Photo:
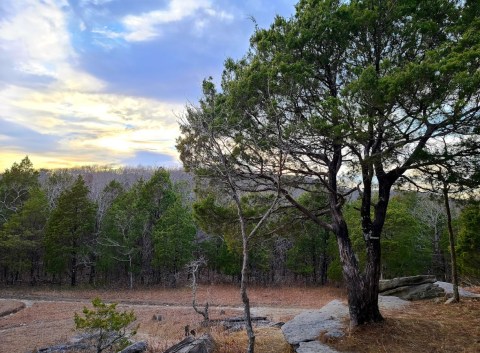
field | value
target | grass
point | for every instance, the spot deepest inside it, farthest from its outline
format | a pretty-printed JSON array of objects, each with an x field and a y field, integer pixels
[
  {"x": 50, "y": 322},
  {"x": 8, "y": 307},
  {"x": 424, "y": 327}
]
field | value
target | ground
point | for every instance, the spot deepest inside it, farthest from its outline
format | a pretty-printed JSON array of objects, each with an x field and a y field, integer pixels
[
  {"x": 425, "y": 326},
  {"x": 48, "y": 316}
]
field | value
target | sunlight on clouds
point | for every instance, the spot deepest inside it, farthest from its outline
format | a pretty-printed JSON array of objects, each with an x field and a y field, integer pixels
[
  {"x": 36, "y": 36},
  {"x": 87, "y": 122},
  {"x": 72, "y": 109}
]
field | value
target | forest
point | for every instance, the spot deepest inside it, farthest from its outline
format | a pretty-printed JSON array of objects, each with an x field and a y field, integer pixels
[{"x": 133, "y": 227}]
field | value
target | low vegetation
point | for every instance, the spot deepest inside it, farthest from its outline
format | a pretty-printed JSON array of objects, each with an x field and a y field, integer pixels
[{"x": 105, "y": 326}]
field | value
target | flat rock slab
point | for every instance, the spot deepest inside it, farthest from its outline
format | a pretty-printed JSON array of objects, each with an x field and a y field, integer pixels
[
  {"x": 392, "y": 303},
  {"x": 309, "y": 325},
  {"x": 314, "y": 347},
  {"x": 388, "y": 284},
  {"x": 448, "y": 288}
]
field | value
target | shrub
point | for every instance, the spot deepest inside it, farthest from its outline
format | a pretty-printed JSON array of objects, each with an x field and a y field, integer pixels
[{"x": 106, "y": 327}]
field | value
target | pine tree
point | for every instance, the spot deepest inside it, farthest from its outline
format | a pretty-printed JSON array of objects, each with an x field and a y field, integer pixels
[{"x": 69, "y": 229}]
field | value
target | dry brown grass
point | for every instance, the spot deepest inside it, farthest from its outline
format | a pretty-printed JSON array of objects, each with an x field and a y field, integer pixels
[
  {"x": 49, "y": 322},
  {"x": 217, "y": 295},
  {"x": 267, "y": 340},
  {"x": 423, "y": 327},
  {"x": 8, "y": 307}
]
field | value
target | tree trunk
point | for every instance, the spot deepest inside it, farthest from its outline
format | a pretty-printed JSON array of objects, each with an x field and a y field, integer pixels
[
  {"x": 73, "y": 270},
  {"x": 451, "y": 239},
  {"x": 362, "y": 289},
  {"x": 245, "y": 299}
]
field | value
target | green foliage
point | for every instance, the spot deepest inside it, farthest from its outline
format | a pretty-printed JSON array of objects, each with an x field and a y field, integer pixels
[
  {"x": 107, "y": 327},
  {"x": 173, "y": 237},
  {"x": 15, "y": 186},
  {"x": 220, "y": 258},
  {"x": 121, "y": 231},
  {"x": 22, "y": 235},
  {"x": 69, "y": 229},
  {"x": 147, "y": 227},
  {"x": 406, "y": 243},
  {"x": 468, "y": 241}
]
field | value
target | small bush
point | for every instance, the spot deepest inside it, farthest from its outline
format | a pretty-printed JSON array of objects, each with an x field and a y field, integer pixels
[{"x": 106, "y": 327}]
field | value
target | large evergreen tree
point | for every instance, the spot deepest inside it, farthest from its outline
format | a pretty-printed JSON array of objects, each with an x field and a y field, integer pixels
[
  {"x": 367, "y": 89},
  {"x": 69, "y": 229}
]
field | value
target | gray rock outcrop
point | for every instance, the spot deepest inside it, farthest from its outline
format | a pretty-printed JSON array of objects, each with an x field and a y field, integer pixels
[
  {"x": 448, "y": 287},
  {"x": 137, "y": 347},
  {"x": 411, "y": 288},
  {"x": 303, "y": 331},
  {"x": 387, "y": 284},
  {"x": 314, "y": 347},
  {"x": 203, "y": 344}
]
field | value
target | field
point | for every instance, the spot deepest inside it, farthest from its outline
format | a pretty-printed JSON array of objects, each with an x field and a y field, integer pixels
[{"x": 425, "y": 326}]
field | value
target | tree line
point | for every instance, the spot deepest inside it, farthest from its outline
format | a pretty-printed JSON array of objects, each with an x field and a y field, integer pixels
[{"x": 142, "y": 226}]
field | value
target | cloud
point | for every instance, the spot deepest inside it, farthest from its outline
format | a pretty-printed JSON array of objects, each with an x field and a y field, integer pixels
[
  {"x": 147, "y": 26},
  {"x": 14, "y": 136},
  {"x": 59, "y": 114},
  {"x": 35, "y": 43},
  {"x": 104, "y": 128}
]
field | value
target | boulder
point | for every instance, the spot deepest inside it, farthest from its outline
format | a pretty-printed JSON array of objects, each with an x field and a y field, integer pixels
[
  {"x": 203, "y": 344},
  {"x": 137, "y": 347},
  {"x": 387, "y": 284},
  {"x": 448, "y": 287},
  {"x": 309, "y": 325},
  {"x": 314, "y": 347},
  {"x": 416, "y": 292}
]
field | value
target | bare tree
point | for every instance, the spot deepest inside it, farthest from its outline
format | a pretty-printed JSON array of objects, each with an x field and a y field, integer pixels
[
  {"x": 193, "y": 268},
  {"x": 213, "y": 159}
]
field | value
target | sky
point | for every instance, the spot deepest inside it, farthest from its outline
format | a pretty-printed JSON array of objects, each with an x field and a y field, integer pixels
[{"x": 104, "y": 82}]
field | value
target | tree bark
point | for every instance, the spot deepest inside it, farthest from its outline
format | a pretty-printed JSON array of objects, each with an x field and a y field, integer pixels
[
  {"x": 362, "y": 289},
  {"x": 451, "y": 239},
  {"x": 73, "y": 270},
  {"x": 245, "y": 299}
]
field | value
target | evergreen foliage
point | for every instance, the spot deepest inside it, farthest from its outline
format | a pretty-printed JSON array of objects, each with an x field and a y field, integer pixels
[
  {"x": 69, "y": 230},
  {"x": 468, "y": 241},
  {"x": 106, "y": 326}
]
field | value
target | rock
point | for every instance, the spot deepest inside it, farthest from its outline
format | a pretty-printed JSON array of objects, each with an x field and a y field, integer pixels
[
  {"x": 389, "y": 303},
  {"x": 309, "y": 325},
  {"x": 314, "y": 347},
  {"x": 203, "y": 344},
  {"x": 64, "y": 348},
  {"x": 387, "y": 284},
  {"x": 238, "y": 323},
  {"x": 416, "y": 292},
  {"x": 137, "y": 347},
  {"x": 449, "y": 300},
  {"x": 448, "y": 287}
]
